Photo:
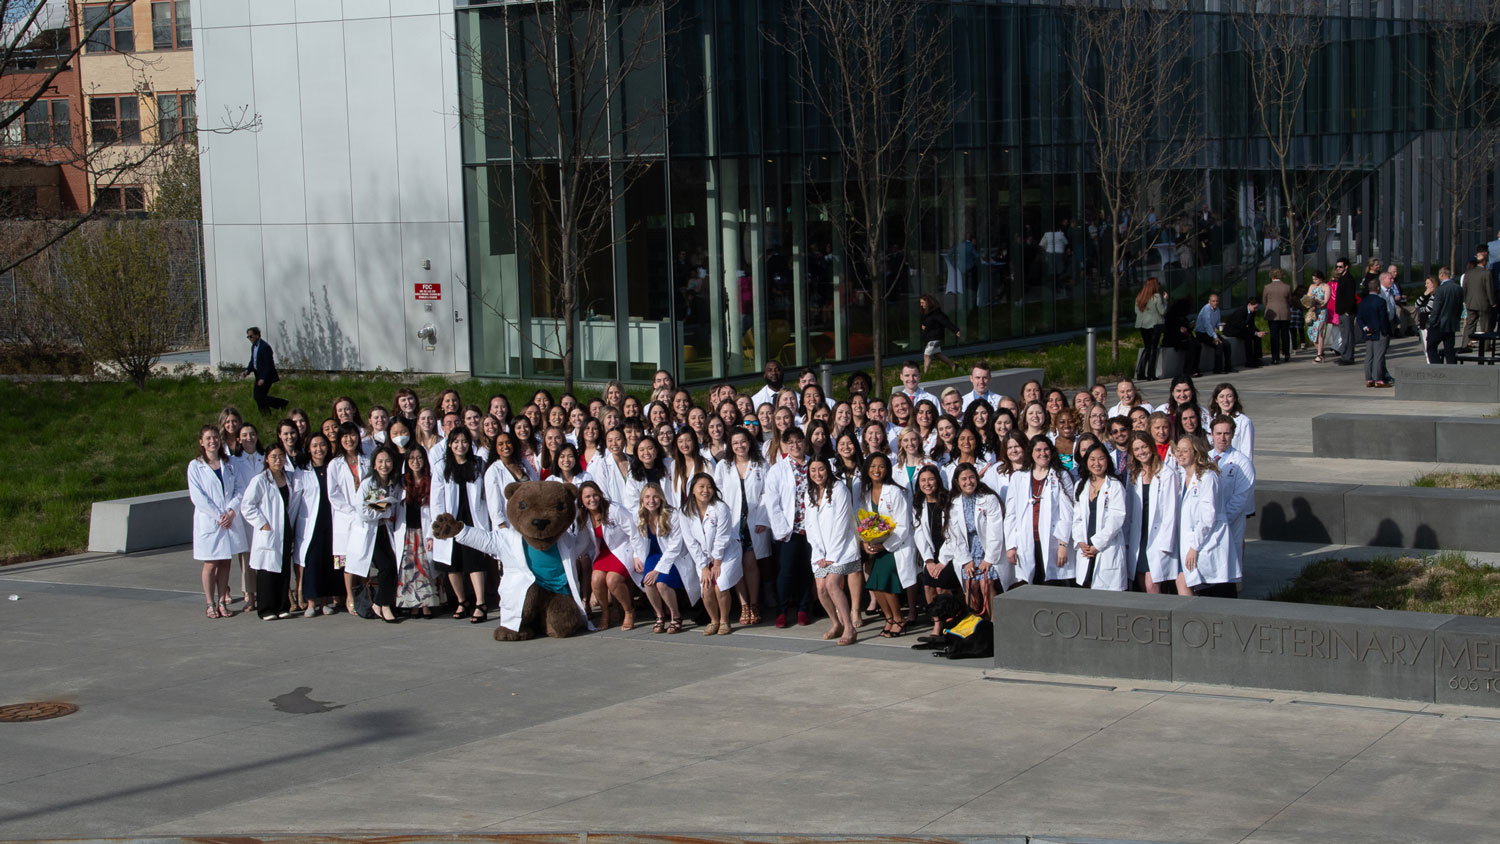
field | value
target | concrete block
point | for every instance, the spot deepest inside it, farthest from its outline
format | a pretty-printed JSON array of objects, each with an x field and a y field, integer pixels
[
  {"x": 1468, "y": 662},
  {"x": 1426, "y": 382},
  {"x": 1374, "y": 436},
  {"x": 1293, "y": 511},
  {"x": 1304, "y": 647},
  {"x": 1461, "y": 440},
  {"x": 1419, "y": 517},
  {"x": 1169, "y": 360},
  {"x": 1006, "y": 382},
  {"x": 141, "y": 523},
  {"x": 1083, "y": 631}
]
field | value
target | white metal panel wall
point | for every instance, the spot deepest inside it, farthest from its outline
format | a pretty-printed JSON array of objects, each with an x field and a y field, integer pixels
[{"x": 317, "y": 225}]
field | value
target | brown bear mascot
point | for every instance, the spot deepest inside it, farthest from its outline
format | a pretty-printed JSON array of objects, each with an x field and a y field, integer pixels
[{"x": 539, "y": 585}]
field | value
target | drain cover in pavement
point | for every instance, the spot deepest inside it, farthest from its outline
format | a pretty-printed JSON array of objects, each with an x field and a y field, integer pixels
[{"x": 37, "y": 711}]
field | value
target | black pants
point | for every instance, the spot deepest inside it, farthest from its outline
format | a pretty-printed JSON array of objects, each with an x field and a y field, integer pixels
[
  {"x": 1217, "y": 348},
  {"x": 1150, "y": 344},
  {"x": 1436, "y": 340},
  {"x": 794, "y": 561},
  {"x": 1281, "y": 340},
  {"x": 383, "y": 568},
  {"x": 1346, "y": 331},
  {"x": 271, "y": 596},
  {"x": 263, "y": 398},
  {"x": 1217, "y": 590},
  {"x": 1251, "y": 344}
]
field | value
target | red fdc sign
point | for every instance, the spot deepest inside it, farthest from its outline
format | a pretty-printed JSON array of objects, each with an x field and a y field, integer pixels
[{"x": 427, "y": 291}]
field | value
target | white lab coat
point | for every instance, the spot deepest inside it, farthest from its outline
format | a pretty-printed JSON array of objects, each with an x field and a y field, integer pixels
[
  {"x": 1161, "y": 535},
  {"x": 981, "y": 466},
  {"x": 342, "y": 489},
  {"x": 894, "y": 503},
  {"x": 727, "y": 476},
  {"x": 781, "y": 499},
  {"x": 830, "y": 528},
  {"x": 1201, "y": 525},
  {"x": 211, "y": 497},
  {"x": 714, "y": 537},
  {"x": 1237, "y": 495},
  {"x": 1244, "y": 437},
  {"x": 247, "y": 466},
  {"x": 359, "y": 551},
  {"x": 898, "y": 473},
  {"x": 676, "y": 495},
  {"x": 1056, "y": 526},
  {"x": 444, "y": 499},
  {"x": 263, "y": 507},
  {"x": 675, "y": 553},
  {"x": 610, "y": 479},
  {"x": 989, "y": 522},
  {"x": 631, "y": 491},
  {"x": 619, "y": 535},
  {"x": 516, "y": 579},
  {"x": 312, "y": 503},
  {"x": 496, "y": 477},
  {"x": 1112, "y": 565}
]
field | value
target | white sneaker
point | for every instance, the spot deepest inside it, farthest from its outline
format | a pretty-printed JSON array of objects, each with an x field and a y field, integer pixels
[{"x": 310, "y": 611}]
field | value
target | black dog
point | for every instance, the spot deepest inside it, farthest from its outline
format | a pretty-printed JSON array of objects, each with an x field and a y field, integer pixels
[{"x": 965, "y": 634}]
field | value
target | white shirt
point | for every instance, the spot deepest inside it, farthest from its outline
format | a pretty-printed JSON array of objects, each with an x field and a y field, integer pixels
[
  {"x": 920, "y": 395},
  {"x": 992, "y": 398}
]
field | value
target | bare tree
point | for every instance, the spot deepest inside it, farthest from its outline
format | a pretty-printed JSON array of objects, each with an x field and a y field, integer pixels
[
  {"x": 1461, "y": 85},
  {"x": 37, "y": 46},
  {"x": 878, "y": 72},
  {"x": 561, "y": 113},
  {"x": 1131, "y": 66},
  {"x": 118, "y": 295},
  {"x": 1279, "y": 41}
]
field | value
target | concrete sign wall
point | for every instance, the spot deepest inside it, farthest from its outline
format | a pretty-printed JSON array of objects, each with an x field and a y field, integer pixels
[{"x": 1261, "y": 644}]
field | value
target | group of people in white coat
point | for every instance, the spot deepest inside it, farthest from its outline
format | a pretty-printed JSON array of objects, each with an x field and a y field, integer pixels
[{"x": 751, "y": 499}]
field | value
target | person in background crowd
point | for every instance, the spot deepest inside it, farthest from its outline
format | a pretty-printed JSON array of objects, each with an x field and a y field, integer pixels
[
  {"x": 1375, "y": 326},
  {"x": 262, "y": 367},
  {"x": 1479, "y": 298},
  {"x": 1239, "y": 324},
  {"x": 1424, "y": 312},
  {"x": 1344, "y": 303},
  {"x": 1277, "y": 297},
  {"x": 934, "y": 323},
  {"x": 1150, "y": 317},
  {"x": 1447, "y": 308},
  {"x": 1206, "y": 332}
]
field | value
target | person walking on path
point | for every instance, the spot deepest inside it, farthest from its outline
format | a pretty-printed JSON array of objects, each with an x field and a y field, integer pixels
[
  {"x": 262, "y": 367},
  {"x": 934, "y": 323},
  {"x": 1447, "y": 304}
]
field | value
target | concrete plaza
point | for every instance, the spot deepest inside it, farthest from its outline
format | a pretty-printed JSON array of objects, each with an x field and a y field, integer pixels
[{"x": 192, "y": 727}]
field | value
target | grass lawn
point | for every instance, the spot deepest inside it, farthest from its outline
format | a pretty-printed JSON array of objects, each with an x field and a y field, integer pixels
[
  {"x": 1459, "y": 480},
  {"x": 1065, "y": 364},
  {"x": 70, "y": 444},
  {"x": 1444, "y": 583}
]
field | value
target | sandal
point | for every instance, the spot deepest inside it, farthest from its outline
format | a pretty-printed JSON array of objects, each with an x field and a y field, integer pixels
[
  {"x": 462, "y": 611},
  {"x": 674, "y": 626},
  {"x": 755, "y": 613},
  {"x": 224, "y": 608},
  {"x": 660, "y": 626},
  {"x": 480, "y": 616},
  {"x": 1318, "y": 359},
  {"x": 745, "y": 615},
  {"x": 628, "y": 623},
  {"x": 213, "y": 611}
]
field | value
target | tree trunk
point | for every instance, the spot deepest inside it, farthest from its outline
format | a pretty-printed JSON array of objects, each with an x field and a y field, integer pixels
[{"x": 877, "y": 315}]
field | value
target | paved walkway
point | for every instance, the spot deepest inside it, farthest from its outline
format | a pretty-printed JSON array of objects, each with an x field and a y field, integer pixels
[{"x": 195, "y": 727}]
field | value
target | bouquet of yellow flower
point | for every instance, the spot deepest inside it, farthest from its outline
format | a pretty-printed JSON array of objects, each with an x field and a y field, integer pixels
[{"x": 873, "y": 527}]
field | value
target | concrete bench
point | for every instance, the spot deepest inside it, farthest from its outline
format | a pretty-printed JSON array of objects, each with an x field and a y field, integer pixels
[
  {"x": 1419, "y": 381},
  {"x": 1006, "y": 382},
  {"x": 1261, "y": 644},
  {"x": 1169, "y": 360},
  {"x": 1386, "y": 516},
  {"x": 141, "y": 523},
  {"x": 1374, "y": 436}
]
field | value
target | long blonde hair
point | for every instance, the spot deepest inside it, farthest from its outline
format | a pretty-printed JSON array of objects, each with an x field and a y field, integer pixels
[
  {"x": 663, "y": 520},
  {"x": 1201, "y": 461}
]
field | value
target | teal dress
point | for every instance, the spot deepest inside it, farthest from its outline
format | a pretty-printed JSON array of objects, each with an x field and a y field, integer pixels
[{"x": 883, "y": 575}]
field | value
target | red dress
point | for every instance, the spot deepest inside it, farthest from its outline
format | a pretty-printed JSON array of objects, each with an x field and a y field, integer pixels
[{"x": 605, "y": 559}]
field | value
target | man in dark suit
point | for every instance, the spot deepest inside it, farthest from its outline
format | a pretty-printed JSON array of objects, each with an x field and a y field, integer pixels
[
  {"x": 262, "y": 367},
  {"x": 1239, "y": 323},
  {"x": 1345, "y": 304},
  {"x": 1479, "y": 296},
  {"x": 1442, "y": 323}
]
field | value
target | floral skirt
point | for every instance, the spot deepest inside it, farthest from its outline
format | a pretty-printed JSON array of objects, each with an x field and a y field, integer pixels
[{"x": 416, "y": 580}]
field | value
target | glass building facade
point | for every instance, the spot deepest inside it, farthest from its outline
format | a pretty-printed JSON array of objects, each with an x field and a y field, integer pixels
[{"x": 726, "y": 250}]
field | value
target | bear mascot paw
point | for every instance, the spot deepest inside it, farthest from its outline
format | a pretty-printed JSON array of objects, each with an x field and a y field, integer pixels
[{"x": 541, "y": 513}]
